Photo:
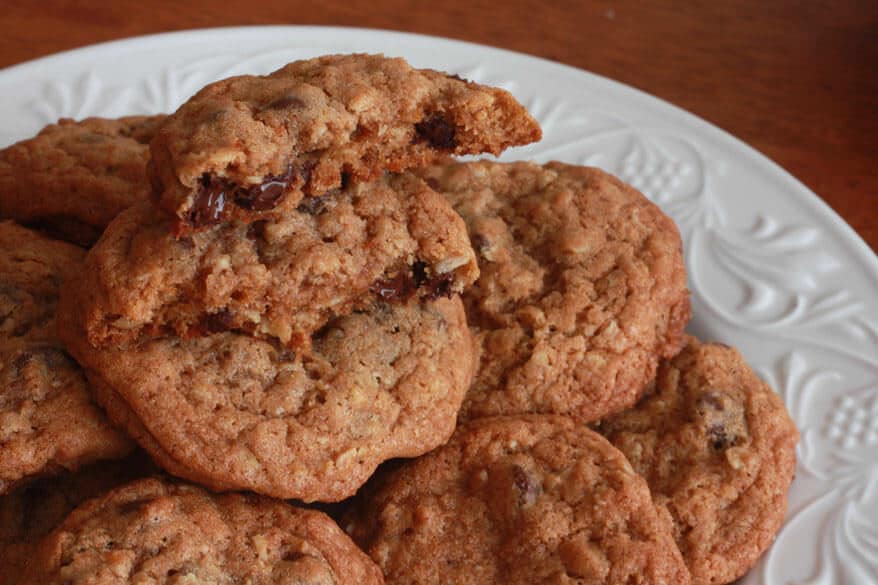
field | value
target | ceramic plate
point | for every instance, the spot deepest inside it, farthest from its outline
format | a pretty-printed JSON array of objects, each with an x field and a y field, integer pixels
[{"x": 771, "y": 268}]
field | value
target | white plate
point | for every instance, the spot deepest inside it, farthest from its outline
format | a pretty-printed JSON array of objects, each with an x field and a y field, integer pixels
[{"x": 772, "y": 269}]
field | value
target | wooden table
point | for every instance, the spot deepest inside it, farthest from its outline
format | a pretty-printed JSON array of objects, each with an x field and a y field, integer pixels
[{"x": 796, "y": 80}]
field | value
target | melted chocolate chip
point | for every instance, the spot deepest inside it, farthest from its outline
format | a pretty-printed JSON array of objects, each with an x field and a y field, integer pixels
[
  {"x": 210, "y": 201},
  {"x": 214, "y": 193},
  {"x": 395, "y": 288},
  {"x": 529, "y": 489},
  {"x": 437, "y": 131},
  {"x": 433, "y": 183},
  {"x": 403, "y": 286},
  {"x": 267, "y": 194}
]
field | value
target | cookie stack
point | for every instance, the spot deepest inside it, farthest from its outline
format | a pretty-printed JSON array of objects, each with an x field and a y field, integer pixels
[{"x": 295, "y": 284}]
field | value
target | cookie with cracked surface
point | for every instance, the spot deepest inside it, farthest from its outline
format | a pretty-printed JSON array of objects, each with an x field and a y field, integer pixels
[
  {"x": 72, "y": 178},
  {"x": 167, "y": 533},
  {"x": 33, "y": 510},
  {"x": 32, "y": 268},
  {"x": 284, "y": 278},
  {"x": 530, "y": 499},
  {"x": 582, "y": 287},
  {"x": 377, "y": 384},
  {"x": 48, "y": 421},
  {"x": 248, "y": 146},
  {"x": 718, "y": 450}
]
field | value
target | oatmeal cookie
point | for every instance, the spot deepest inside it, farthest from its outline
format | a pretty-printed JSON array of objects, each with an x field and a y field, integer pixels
[
  {"x": 48, "y": 421},
  {"x": 153, "y": 531},
  {"x": 74, "y": 177},
  {"x": 249, "y": 146},
  {"x": 276, "y": 279},
  {"x": 34, "y": 509},
  {"x": 718, "y": 450},
  {"x": 582, "y": 287},
  {"x": 32, "y": 268},
  {"x": 233, "y": 412},
  {"x": 517, "y": 500}
]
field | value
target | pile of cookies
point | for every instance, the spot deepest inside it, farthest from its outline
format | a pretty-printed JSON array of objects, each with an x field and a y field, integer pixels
[{"x": 454, "y": 372}]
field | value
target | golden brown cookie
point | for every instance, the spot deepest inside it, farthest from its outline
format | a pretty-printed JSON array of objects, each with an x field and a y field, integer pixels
[
  {"x": 582, "y": 287},
  {"x": 32, "y": 268},
  {"x": 233, "y": 412},
  {"x": 248, "y": 146},
  {"x": 74, "y": 177},
  {"x": 278, "y": 279},
  {"x": 152, "y": 531},
  {"x": 48, "y": 421},
  {"x": 718, "y": 450},
  {"x": 33, "y": 510},
  {"x": 517, "y": 500}
]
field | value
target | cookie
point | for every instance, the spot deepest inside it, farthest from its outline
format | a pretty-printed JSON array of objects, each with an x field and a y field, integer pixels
[
  {"x": 249, "y": 146},
  {"x": 718, "y": 450},
  {"x": 33, "y": 510},
  {"x": 233, "y": 412},
  {"x": 152, "y": 531},
  {"x": 279, "y": 279},
  {"x": 529, "y": 499},
  {"x": 32, "y": 268},
  {"x": 48, "y": 421},
  {"x": 74, "y": 177},
  {"x": 582, "y": 287}
]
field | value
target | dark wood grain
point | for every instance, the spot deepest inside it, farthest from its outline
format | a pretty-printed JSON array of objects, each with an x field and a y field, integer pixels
[{"x": 798, "y": 80}]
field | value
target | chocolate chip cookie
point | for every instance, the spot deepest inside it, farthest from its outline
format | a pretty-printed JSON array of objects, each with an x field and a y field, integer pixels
[
  {"x": 32, "y": 268},
  {"x": 718, "y": 450},
  {"x": 582, "y": 287},
  {"x": 74, "y": 177},
  {"x": 517, "y": 500},
  {"x": 234, "y": 412},
  {"x": 48, "y": 421},
  {"x": 152, "y": 531},
  {"x": 34, "y": 509},
  {"x": 248, "y": 146},
  {"x": 281, "y": 279}
]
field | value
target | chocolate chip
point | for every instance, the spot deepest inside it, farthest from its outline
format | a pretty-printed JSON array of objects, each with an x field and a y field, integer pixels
[
  {"x": 395, "y": 288},
  {"x": 256, "y": 230},
  {"x": 716, "y": 434},
  {"x": 267, "y": 194},
  {"x": 529, "y": 489},
  {"x": 285, "y": 102},
  {"x": 219, "y": 322},
  {"x": 312, "y": 205},
  {"x": 210, "y": 201},
  {"x": 437, "y": 131},
  {"x": 402, "y": 286},
  {"x": 433, "y": 183},
  {"x": 438, "y": 286},
  {"x": 715, "y": 419}
]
